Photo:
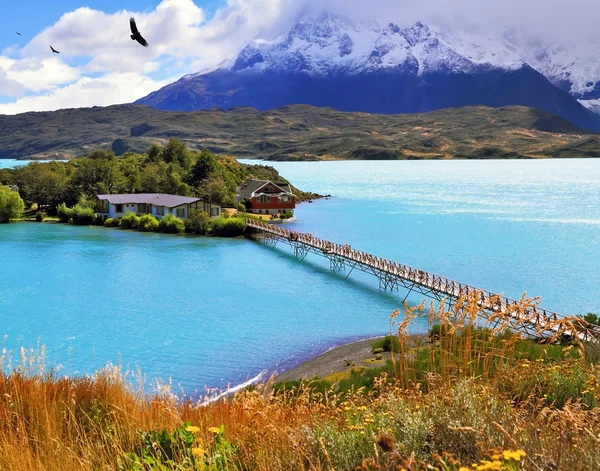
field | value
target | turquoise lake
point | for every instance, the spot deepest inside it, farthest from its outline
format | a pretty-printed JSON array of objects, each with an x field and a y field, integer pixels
[
  {"x": 210, "y": 312},
  {"x": 12, "y": 163}
]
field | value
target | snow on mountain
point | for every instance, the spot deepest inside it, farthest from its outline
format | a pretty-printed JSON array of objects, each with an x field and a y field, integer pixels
[
  {"x": 334, "y": 44},
  {"x": 358, "y": 66}
]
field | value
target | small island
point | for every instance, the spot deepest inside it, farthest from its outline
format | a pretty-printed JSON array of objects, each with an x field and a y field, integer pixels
[{"x": 167, "y": 189}]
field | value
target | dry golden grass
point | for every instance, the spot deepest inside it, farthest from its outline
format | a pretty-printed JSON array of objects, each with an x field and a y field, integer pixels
[{"x": 469, "y": 399}]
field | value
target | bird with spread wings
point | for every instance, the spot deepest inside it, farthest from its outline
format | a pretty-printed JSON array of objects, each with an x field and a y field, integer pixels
[{"x": 135, "y": 34}]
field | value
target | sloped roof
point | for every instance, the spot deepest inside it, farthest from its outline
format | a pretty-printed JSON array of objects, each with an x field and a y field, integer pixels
[
  {"x": 248, "y": 189},
  {"x": 158, "y": 199}
]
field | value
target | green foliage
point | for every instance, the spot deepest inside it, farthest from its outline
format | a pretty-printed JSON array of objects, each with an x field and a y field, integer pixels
[
  {"x": 227, "y": 227},
  {"x": 64, "y": 213},
  {"x": 11, "y": 204},
  {"x": 40, "y": 216},
  {"x": 170, "y": 224},
  {"x": 130, "y": 221},
  {"x": 206, "y": 164},
  {"x": 83, "y": 216},
  {"x": 172, "y": 170},
  {"x": 148, "y": 223},
  {"x": 176, "y": 152},
  {"x": 198, "y": 222},
  {"x": 385, "y": 344},
  {"x": 181, "y": 450},
  {"x": 110, "y": 222},
  {"x": 591, "y": 318},
  {"x": 241, "y": 207}
]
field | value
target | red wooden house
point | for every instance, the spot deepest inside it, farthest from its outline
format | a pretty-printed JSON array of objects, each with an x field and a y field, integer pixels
[{"x": 265, "y": 197}]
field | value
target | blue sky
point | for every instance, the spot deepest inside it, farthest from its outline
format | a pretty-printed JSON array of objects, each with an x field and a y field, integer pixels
[
  {"x": 100, "y": 65},
  {"x": 29, "y": 17}
]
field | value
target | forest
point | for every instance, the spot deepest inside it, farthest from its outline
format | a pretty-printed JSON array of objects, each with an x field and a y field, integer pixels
[{"x": 172, "y": 169}]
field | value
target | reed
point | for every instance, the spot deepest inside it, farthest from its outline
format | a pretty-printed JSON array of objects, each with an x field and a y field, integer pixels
[{"x": 476, "y": 396}]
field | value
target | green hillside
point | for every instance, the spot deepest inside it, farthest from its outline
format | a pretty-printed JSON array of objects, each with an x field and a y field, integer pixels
[{"x": 300, "y": 132}]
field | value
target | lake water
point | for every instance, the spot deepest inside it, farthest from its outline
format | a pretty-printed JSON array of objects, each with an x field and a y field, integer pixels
[
  {"x": 12, "y": 163},
  {"x": 205, "y": 311}
]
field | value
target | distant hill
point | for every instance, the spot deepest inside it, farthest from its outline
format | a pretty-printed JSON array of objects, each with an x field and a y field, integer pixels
[
  {"x": 300, "y": 132},
  {"x": 365, "y": 67}
]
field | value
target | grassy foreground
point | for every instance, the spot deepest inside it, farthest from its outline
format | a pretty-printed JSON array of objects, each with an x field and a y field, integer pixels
[{"x": 471, "y": 399}]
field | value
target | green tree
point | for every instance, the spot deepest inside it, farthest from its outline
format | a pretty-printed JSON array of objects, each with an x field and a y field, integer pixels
[
  {"x": 44, "y": 184},
  {"x": 205, "y": 166},
  {"x": 11, "y": 204},
  {"x": 176, "y": 152},
  {"x": 198, "y": 222},
  {"x": 155, "y": 153}
]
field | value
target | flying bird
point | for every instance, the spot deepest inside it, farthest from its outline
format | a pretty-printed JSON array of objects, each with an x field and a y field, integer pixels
[
  {"x": 135, "y": 34},
  {"x": 18, "y": 33},
  {"x": 54, "y": 50}
]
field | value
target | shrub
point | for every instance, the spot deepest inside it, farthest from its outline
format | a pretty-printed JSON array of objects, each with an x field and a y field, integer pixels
[
  {"x": 171, "y": 225},
  {"x": 99, "y": 220},
  {"x": 227, "y": 227},
  {"x": 82, "y": 216},
  {"x": 148, "y": 223},
  {"x": 198, "y": 222},
  {"x": 64, "y": 213},
  {"x": 11, "y": 204},
  {"x": 40, "y": 216},
  {"x": 386, "y": 344},
  {"x": 109, "y": 222},
  {"x": 241, "y": 207},
  {"x": 130, "y": 221},
  {"x": 591, "y": 318}
]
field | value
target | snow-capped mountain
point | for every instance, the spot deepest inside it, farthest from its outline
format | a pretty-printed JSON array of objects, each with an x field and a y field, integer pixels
[{"x": 332, "y": 61}]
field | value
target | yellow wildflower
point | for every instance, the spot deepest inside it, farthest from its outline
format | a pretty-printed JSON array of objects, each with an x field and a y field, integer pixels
[
  {"x": 197, "y": 451},
  {"x": 214, "y": 429},
  {"x": 193, "y": 429},
  {"x": 513, "y": 455},
  {"x": 463, "y": 468}
]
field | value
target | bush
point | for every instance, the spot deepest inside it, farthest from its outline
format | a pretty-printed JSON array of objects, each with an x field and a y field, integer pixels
[
  {"x": 198, "y": 222},
  {"x": 82, "y": 216},
  {"x": 386, "y": 344},
  {"x": 11, "y": 204},
  {"x": 99, "y": 220},
  {"x": 171, "y": 225},
  {"x": 40, "y": 216},
  {"x": 241, "y": 207},
  {"x": 109, "y": 222},
  {"x": 148, "y": 223},
  {"x": 227, "y": 227},
  {"x": 64, "y": 213},
  {"x": 591, "y": 318},
  {"x": 130, "y": 221}
]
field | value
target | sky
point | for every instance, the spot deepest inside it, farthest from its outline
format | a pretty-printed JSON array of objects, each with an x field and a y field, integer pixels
[{"x": 99, "y": 64}]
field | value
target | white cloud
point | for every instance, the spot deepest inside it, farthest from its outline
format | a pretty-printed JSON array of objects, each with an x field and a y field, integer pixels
[
  {"x": 8, "y": 87},
  {"x": 106, "y": 90},
  {"x": 38, "y": 74},
  {"x": 97, "y": 52}
]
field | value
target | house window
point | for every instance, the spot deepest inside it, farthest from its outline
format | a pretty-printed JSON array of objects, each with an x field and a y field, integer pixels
[
  {"x": 160, "y": 210},
  {"x": 264, "y": 199},
  {"x": 141, "y": 208},
  {"x": 284, "y": 199},
  {"x": 119, "y": 208},
  {"x": 214, "y": 211},
  {"x": 181, "y": 213}
]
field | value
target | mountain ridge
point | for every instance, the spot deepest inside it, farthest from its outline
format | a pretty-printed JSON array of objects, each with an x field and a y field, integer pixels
[
  {"x": 364, "y": 67},
  {"x": 300, "y": 132}
]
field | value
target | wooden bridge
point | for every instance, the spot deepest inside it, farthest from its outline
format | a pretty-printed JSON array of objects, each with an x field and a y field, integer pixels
[{"x": 531, "y": 319}]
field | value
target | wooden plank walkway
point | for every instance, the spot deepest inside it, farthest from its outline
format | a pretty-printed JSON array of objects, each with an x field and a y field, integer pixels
[{"x": 534, "y": 320}]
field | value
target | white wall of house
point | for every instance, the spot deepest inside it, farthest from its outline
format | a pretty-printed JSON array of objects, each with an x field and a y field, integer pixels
[{"x": 214, "y": 210}]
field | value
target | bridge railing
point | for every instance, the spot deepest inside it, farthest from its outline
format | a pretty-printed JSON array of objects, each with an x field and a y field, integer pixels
[{"x": 490, "y": 301}]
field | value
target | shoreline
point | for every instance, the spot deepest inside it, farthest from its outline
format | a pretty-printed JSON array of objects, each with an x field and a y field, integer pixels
[{"x": 338, "y": 358}]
